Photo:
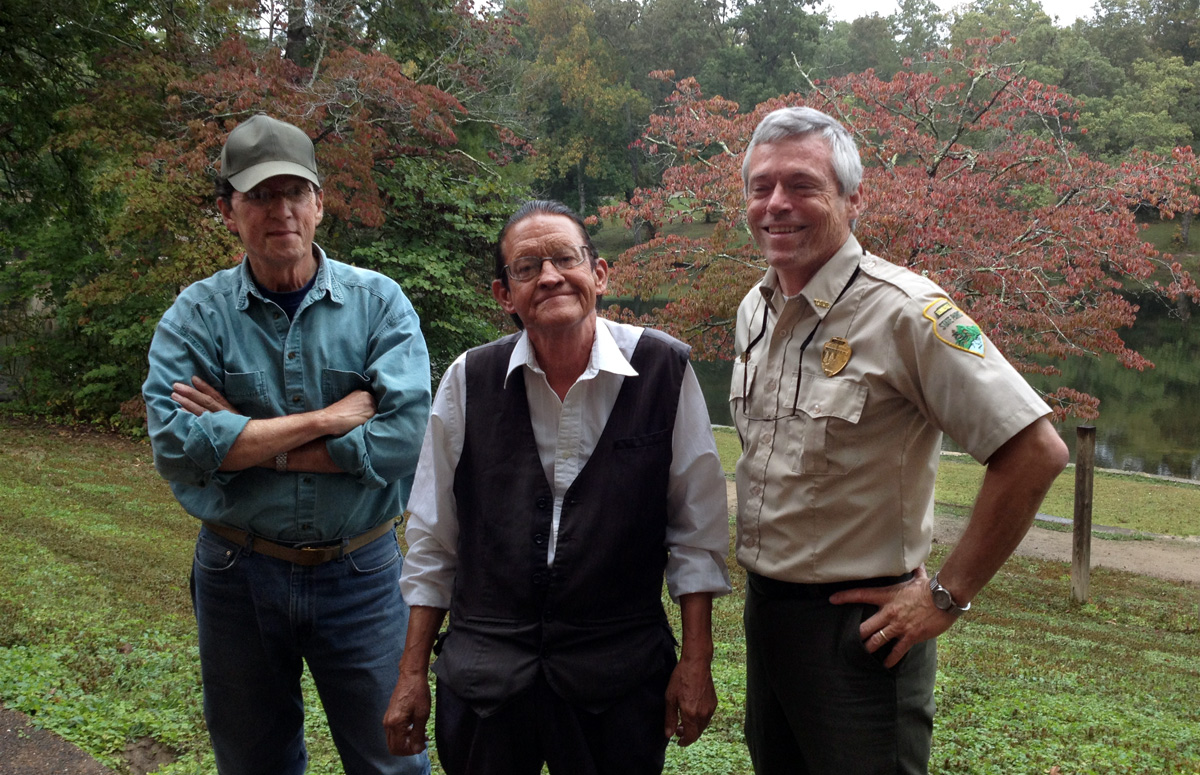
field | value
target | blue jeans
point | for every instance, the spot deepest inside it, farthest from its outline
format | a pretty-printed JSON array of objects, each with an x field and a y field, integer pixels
[{"x": 259, "y": 618}]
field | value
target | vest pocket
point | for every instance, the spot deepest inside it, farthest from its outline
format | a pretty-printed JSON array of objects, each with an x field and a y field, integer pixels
[{"x": 650, "y": 439}]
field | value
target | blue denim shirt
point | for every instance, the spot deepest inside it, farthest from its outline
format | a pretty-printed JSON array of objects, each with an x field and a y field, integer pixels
[{"x": 354, "y": 330}]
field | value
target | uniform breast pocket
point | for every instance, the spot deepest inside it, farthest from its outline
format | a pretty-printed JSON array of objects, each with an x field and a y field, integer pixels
[
  {"x": 822, "y": 441},
  {"x": 337, "y": 384},
  {"x": 247, "y": 391}
]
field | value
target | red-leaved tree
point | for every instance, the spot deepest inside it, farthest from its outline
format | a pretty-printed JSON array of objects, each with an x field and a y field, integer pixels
[{"x": 971, "y": 179}]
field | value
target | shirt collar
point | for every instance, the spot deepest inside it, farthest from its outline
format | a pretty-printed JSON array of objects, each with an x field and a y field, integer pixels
[
  {"x": 324, "y": 284},
  {"x": 823, "y": 289},
  {"x": 606, "y": 355}
]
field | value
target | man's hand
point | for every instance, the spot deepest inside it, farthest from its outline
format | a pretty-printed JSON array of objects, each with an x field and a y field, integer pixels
[
  {"x": 407, "y": 714},
  {"x": 906, "y": 615},
  {"x": 691, "y": 700},
  {"x": 200, "y": 397}
]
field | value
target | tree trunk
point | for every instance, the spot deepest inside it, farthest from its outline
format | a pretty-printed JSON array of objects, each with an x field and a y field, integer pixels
[
  {"x": 633, "y": 154},
  {"x": 298, "y": 30},
  {"x": 1185, "y": 227},
  {"x": 579, "y": 183}
]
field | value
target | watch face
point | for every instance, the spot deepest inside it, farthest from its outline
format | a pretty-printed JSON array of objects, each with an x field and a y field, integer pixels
[{"x": 942, "y": 599}]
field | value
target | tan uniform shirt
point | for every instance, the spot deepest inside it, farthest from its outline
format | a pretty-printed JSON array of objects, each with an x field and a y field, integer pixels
[{"x": 836, "y": 477}]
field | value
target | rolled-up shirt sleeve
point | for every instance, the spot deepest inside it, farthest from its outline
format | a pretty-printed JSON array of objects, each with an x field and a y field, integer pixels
[
  {"x": 386, "y": 448},
  {"x": 187, "y": 449},
  {"x": 432, "y": 521},
  {"x": 698, "y": 513}
]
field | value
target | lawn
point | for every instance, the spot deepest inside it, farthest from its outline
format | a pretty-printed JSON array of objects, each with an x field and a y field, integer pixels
[{"x": 97, "y": 640}]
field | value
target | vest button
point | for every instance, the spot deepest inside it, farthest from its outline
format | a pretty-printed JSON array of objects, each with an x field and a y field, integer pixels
[
  {"x": 543, "y": 503},
  {"x": 539, "y": 539},
  {"x": 539, "y": 579}
]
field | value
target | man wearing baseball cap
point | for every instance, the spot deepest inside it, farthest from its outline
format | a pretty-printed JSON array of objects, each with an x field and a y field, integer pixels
[{"x": 286, "y": 399}]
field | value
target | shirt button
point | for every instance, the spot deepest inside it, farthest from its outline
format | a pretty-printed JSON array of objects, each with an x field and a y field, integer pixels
[
  {"x": 756, "y": 491},
  {"x": 749, "y": 542},
  {"x": 772, "y": 385},
  {"x": 297, "y": 399},
  {"x": 291, "y": 355},
  {"x": 767, "y": 438}
]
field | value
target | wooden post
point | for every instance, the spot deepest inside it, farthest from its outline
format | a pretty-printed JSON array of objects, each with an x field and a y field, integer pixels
[{"x": 1081, "y": 548}]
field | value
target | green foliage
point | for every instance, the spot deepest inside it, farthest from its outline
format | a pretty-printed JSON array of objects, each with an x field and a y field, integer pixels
[
  {"x": 437, "y": 244},
  {"x": 1157, "y": 109}
]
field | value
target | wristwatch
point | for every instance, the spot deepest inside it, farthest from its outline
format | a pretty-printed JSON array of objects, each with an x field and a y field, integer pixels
[
  {"x": 943, "y": 599},
  {"x": 281, "y": 462}
]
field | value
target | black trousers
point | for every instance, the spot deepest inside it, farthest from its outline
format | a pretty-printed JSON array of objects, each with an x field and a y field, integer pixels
[
  {"x": 816, "y": 702},
  {"x": 539, "y": 727}
]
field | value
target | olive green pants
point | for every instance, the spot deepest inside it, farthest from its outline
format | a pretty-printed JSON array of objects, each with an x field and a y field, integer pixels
[{"x": 816, "y": 702}]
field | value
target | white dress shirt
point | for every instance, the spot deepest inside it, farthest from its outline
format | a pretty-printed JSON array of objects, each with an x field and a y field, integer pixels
[{"x": 566, "y": 432}]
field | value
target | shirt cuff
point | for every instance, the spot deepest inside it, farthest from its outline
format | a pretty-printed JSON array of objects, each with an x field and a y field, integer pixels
[
  {"x": 210, "y": 438},
  {"x": 349, "y": 452}
]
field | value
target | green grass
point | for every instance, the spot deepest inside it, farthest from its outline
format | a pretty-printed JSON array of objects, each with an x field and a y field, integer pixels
[{"x": 98, "y": 643}]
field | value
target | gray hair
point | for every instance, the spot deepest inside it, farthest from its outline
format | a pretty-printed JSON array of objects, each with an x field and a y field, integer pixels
[{"x": 786, "y": 123}]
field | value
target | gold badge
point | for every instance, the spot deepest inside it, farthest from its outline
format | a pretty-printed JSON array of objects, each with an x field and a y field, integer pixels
[{"x": 835, "y": 355}]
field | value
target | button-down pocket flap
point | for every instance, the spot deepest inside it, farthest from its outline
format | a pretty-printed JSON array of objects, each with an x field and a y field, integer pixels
[
  {"x": 740, "y": 382},
  {"x": 336, "y": 384},
  {"x": 244, "y": 384},
  {"x": 825, "y": 397}
]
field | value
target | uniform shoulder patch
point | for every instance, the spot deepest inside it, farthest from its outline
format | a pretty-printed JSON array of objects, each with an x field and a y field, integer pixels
[{"x": 955, "y": 327}]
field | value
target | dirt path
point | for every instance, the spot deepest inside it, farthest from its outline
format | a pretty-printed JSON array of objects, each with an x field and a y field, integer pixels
[
  {"x": 27, "y": 750},
  {"x": 1174, "y": 559}
]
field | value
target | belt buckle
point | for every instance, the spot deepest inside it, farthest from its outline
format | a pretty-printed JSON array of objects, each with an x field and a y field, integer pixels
[{"x": 331, "y": 551}]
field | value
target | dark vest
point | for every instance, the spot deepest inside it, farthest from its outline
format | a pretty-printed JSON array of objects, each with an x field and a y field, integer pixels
[{"x": 593, "y": 623}]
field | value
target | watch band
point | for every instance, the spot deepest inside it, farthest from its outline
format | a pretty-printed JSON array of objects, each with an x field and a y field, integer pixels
[
  {"x": 281, "y": 463},
  {"x": 938, "y": 591}
]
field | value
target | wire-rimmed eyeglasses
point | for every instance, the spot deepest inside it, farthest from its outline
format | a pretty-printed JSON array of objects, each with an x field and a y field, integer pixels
[{"x": 526, "y": 268}]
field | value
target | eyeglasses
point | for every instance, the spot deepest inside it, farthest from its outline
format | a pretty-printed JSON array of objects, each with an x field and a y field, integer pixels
[
  {"x": 295, "y": 195},
  {"x": 526, "y": 268}
]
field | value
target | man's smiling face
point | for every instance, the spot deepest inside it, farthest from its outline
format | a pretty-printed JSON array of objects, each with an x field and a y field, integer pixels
[{"x": 796, "y": 212}]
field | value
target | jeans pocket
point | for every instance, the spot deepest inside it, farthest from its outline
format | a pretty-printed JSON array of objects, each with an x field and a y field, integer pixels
[
  {"x": 375, "y": 557},
  {"x": 214, "y": 553}
]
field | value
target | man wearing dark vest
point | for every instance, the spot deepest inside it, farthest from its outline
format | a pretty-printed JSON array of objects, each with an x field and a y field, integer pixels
[{"x": 565, "y": 469}]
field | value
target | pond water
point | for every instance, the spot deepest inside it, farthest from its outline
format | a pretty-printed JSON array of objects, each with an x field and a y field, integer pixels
[{"x": 1149, "y": 421}]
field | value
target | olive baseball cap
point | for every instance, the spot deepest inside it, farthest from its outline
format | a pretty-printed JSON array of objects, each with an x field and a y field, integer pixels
[{"x": 263, "y": 147}]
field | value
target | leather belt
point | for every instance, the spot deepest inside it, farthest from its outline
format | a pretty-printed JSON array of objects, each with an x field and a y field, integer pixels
[
  {"x": 788, "y": 590},
  {"x": 302, "y": 555}
]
